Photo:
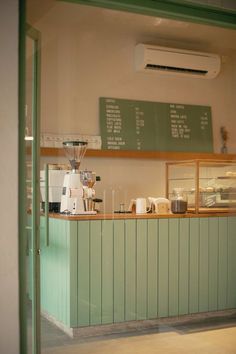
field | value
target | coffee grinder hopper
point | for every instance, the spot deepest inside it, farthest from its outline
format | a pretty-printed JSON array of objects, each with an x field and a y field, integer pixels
[{"x": 75, "y": 151}]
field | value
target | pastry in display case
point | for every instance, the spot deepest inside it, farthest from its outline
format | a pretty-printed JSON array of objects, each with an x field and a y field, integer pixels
[{"x": 208, "y": 185}]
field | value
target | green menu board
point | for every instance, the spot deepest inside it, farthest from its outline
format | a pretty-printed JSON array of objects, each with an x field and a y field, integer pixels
[{"x": 155, "y": 126}]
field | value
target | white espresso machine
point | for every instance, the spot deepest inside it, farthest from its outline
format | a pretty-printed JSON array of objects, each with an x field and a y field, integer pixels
[
  {"x": 75, "y": 194},
  {"x": 51, "y": 182}
]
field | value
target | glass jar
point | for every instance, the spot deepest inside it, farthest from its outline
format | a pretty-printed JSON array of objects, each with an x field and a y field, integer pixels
[{"x": 179, "y": 201}]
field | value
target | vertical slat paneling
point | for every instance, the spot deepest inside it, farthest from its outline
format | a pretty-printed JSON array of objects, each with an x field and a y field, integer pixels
[
  {"x": 42, "y": 258},
  {"x": 183, "y": 266},
  {"x": 51, "y": 269},
  {"x": 43, "y": 264},
  {"x": 152, "y": 267},
  {"x": 130, "y": 270},
  {"x": 66, "y": 292},
  {"x": 213, "y": 263},
  {"x": 62, "y": 259},
  {"x": 73, "y": 272},
  {"x": 107, "y": 271},
  {"x": 59, "y": 233},
  {"x": 173, "y": 267},
  {"x": 163, "y": 270},
  {"x": 54, "y": 275},
  {"x": 55, "y": 272},
  {"x": 83, "y": 274},
  {"x": 141, "y": 269},
  {"x": 45, "y": 276},
  {"x": 232, "y": 262},
  {"x": 59, "y": 255},
  {"x": 223, "y": 263},
  {"x": 119, "y": 279},
  {"x": 203, "y": 265},
  {"x": 193, "y": 265},
  {"x": 65, "y": 274},
  {"x": 144, "y": 269},
  {"x": 95, "y": 272}
]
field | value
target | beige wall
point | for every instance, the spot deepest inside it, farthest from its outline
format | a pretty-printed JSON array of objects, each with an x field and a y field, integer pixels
[
  {"x": 9, "y": 308},
  {"x": 88, "y": 53}
]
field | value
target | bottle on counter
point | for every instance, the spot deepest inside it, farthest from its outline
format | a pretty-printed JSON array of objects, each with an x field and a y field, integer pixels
[{"x": 179, "y": 203}]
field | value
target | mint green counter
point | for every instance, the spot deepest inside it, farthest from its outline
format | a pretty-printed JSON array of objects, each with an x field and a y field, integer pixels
[{"x": 107, "y": 271}]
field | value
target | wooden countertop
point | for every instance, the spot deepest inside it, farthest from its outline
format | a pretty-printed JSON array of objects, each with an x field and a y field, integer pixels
[{"x": 117, "y": 216}]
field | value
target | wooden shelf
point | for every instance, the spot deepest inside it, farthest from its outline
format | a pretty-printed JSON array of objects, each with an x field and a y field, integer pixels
[{"x": 159, "y": 155}]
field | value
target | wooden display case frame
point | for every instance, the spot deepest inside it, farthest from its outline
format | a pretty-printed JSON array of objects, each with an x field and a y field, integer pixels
[{"x": 207, "y": 163}]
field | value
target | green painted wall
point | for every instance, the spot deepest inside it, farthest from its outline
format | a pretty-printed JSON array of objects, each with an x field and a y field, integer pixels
[{"x": 108, "y": 271}]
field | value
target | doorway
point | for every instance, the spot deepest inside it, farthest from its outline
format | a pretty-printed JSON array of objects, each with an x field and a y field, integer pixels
[{"x": 77, "y": 68}]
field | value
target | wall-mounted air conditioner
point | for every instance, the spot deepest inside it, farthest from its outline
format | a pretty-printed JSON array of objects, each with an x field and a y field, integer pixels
[{"x": 151, "y": 58}]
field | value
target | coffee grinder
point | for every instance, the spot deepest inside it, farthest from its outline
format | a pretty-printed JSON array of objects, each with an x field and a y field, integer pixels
[{"x": 72, "y": 199}]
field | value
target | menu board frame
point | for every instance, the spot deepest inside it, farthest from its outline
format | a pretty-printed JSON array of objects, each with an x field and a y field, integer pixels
[{"x": 154, "y": 126}]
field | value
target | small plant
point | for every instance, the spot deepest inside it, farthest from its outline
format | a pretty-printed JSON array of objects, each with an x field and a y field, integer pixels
[{"x": 224, "y": 137}]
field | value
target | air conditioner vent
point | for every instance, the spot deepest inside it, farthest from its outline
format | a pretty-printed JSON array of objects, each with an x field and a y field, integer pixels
[
  {"x": 175, "y": 69},
  {"x": 178, "y": 62}
]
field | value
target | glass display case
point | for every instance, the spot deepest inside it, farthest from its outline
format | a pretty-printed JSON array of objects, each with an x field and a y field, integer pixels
[{"x": 209, "y": 185}]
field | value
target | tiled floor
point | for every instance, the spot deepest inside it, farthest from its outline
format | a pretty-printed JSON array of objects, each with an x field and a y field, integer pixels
[{"x": 206, "y": 336}]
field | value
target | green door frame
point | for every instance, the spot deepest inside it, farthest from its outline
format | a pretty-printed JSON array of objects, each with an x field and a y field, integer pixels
[
  {"x": 21, "y": 181},
  {"x": 174, "y": 9},
  {"x": 32, "y": 33},
  {"x": 36, "y": 335},
  {"x": 178, "y": 10}
]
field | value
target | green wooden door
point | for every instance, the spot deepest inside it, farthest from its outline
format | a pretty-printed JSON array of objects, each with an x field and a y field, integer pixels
[{"x": 29, "y": 206}]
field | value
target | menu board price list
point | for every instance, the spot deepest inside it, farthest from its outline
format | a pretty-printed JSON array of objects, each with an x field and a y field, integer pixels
[
  {"x": 179, "y": 125},
  {"x": 114, "y": 122},
  {"x": 139, "y": 125},
  {"x": 113, "y": 125},
  {"x": 204, "y": 121}
]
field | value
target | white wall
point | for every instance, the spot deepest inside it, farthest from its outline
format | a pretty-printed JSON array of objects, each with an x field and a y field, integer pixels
[
  {"x": 9, "y": 307},
  {"x": 88, "y": 53}
]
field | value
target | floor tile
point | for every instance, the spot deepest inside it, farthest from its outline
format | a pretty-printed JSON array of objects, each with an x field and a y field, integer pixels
[{"x": 210, "y": 336}]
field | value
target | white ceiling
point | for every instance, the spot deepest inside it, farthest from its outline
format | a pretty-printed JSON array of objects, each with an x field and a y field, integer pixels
[{"x": 54, "y": 13}]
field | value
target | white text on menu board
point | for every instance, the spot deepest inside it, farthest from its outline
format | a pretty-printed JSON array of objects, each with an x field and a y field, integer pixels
[
  {"x": 139, "y": 123},
  {"x": 113, "y": 125},
  {"x": 179, "y": 126},
  {"x": 204, "y": 121}
]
